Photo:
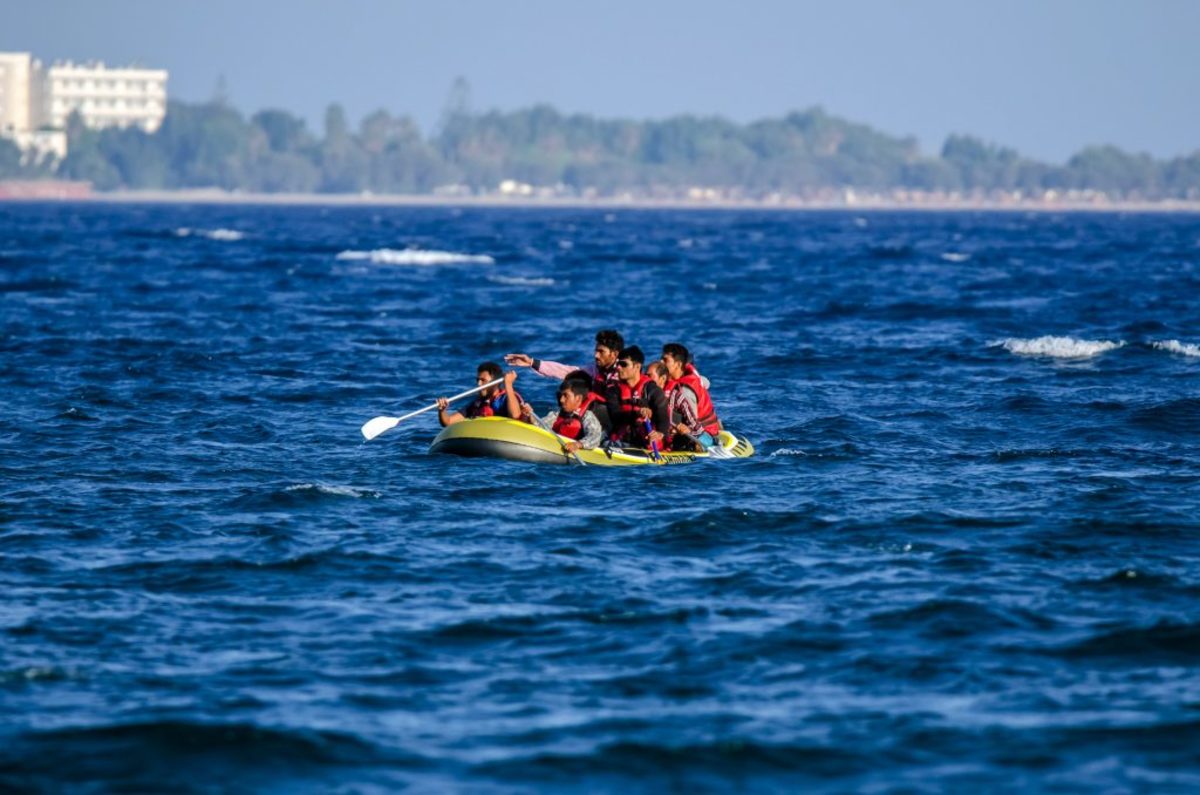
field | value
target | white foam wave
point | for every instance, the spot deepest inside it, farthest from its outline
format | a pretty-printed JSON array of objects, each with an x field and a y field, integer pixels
[
  {"x": 225, "y": 235},
  {"x": 1058, "y": 347},
  {"x": 337, "y": 491},
  {"x": 415, "y": 256},
  {"x": 1175, "y": 346},
  {"x": 954, "y": 256},
  {"x": 522, "y": 281},
  {"x": 787, "y": 451}
]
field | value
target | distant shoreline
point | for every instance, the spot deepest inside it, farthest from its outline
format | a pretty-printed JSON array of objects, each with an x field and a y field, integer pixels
[
  {"x": 78, "y": 192},
  {"x": 211, "y": 196}
]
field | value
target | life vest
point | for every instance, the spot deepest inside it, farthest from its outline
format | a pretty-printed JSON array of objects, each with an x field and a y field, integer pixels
[
  {"x": 489, "y": 407},
  {"x": 569, "y": 425},
  {"x": 705, "y": 413},
  {"x": 602, "y": 380},
  {"x": 633, "y": 397},
  {"x": 628, "y": 425}
]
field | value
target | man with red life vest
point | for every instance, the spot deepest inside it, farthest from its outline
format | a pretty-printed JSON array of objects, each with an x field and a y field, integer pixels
[
  {"x": 495, "y": 401},
  {"x": 602, "y": 372},
  {"x": 634, "y": 399},
  {"x": 572, "y": 420},
  {"x": 691, "y": 408}
]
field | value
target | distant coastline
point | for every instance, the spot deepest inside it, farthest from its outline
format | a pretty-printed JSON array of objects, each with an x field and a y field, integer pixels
[{"x": 857, "y": 203}]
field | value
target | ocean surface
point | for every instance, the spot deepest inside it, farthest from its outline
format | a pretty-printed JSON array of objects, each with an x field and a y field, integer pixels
[{"x": 965, "y": 557}]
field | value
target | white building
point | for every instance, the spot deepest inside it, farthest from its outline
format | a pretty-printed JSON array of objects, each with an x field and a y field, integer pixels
[
  {"x": 104, "y": 97},
  {"x": 35, "y": 100},
  {"x": 15, "y": 80}
]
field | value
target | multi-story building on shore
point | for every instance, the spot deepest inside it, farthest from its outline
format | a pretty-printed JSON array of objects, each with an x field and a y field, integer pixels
[{"x": 36, "y": 100}]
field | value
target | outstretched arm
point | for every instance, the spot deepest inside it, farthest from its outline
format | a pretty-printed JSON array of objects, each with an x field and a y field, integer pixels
[{"x": 543, "y": 368}]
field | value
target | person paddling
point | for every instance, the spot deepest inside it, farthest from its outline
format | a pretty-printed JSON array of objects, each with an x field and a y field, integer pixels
[{"x": 495, "y": 401}]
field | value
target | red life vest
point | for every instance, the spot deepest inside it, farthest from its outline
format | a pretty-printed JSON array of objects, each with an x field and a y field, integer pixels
[
  {"x": 569, "y": 425},
  {"x": 496, "y": 405},
  {"x": 632, "y": 397},
  {"x": 705, "y": 413},
  {"x": 628, "y": 426},
  {"x": 602, "y": 380}
]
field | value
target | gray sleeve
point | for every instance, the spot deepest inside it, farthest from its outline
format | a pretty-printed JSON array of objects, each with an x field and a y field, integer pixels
[{"x": 592, "y": 433}]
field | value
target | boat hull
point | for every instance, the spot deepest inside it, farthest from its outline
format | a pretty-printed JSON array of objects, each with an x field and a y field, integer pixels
[{"x": 500, "y": 437}]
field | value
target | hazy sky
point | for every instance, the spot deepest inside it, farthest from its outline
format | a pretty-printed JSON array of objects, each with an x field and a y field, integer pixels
[{"x": 1047, "y": 77}]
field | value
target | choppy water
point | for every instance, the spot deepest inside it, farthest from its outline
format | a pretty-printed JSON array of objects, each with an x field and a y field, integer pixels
[{"x": 965, "y": 557}]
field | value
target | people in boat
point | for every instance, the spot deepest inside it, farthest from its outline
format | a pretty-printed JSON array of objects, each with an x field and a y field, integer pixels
[
  {"x": 634, "y": 402},
  {"x": 572, "y": 420},
  {"x": 603, "y": 370},
  {"x": 692, "y": 416},
  {"x": 495, "y": 401}
]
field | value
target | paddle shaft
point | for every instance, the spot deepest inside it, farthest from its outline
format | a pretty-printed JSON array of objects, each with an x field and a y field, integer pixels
[
  {"x": 380, "y": 424},
  {"x": 451, "y": 399}
]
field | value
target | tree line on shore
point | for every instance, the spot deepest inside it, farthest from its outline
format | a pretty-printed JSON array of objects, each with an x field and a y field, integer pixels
[{"x": 212, "y": 144}]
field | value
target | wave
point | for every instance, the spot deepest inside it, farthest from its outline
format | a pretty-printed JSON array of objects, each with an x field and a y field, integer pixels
[
  {"x": 322, "y": 489},
  {"x": 1164, "y": 643},
  {"x": 224, "y": 235},
  {"x": 1175, "y": 346},
  {"x": 1057, "y": 347},
  {"x": 414, "y": 256},
  {"x": 954, "y": 256},
  {"x": 522, "y": 281},
  {"x": 1179, "y": 417}
]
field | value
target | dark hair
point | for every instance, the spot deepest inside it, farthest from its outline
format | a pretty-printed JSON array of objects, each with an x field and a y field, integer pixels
[
  {"x": 491, "y": 368},
  {"x": 574, "y": 386},
  {"x": 677, "y": 352},
  {"x": 633, "y": 353},
  {"x": 580, "y": 376},
  {"x": 610, "y": 338},
  {"x": 655, "y": 367}
]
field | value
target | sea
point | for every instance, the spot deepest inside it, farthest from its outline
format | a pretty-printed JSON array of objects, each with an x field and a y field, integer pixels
[{"x": 964, "y": 557}]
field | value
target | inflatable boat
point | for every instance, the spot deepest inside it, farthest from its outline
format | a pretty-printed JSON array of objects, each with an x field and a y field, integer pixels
[{"x": 501, "y": 437}]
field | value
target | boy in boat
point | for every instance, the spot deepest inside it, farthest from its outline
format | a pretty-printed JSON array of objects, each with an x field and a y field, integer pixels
[
  {"x": 594, "y": 404},
  {"x": 633, "y": 400},
  {"x": 691, "y": 410},
  {"x": 572, "y": 420},
  {"x": 495, "y": 401}
]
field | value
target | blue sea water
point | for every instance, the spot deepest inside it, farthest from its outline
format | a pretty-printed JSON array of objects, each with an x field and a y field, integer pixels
[{"x": 966, "y": 555}]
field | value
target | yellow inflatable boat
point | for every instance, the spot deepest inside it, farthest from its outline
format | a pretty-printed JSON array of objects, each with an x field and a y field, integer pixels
[{"x": 500, "y": 437}]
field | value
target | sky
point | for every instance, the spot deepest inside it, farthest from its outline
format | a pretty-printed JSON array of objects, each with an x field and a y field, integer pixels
[{"x": 1046, "y": 77}]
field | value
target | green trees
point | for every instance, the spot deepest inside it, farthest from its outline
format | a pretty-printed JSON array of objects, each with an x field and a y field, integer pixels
[{"x": 213, "y": 145}]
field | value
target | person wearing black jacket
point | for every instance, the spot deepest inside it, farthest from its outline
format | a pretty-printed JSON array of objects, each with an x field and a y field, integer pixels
[{"x": 634, "y": 401}]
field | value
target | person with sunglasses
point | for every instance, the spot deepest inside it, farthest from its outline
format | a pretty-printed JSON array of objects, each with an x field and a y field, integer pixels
[{"x": 633, "y": 400}]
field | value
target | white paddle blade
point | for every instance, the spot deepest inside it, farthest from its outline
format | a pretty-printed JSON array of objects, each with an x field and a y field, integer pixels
[{"x": 378, "y": 425}]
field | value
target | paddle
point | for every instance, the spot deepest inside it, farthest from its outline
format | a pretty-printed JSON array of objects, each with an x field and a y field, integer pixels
[
  {"x": 380, "y": 424},
  {"x": 538, "y": 422},
  {"x": 654, "y": 454}
]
